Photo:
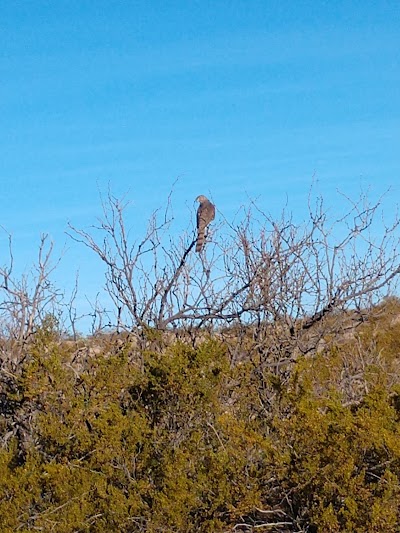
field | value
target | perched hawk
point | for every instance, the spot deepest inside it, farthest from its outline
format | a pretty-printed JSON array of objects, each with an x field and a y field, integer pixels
[{"x": 205, "y": 214}]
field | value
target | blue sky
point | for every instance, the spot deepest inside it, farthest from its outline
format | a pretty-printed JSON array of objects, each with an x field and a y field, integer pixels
[{"x": 236, "y": 98}]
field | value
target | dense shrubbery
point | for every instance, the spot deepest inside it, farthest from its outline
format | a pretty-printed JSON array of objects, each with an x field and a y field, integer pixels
[
  {"x": 252, "y": 387},
  {"x": 179, "y": 439}
]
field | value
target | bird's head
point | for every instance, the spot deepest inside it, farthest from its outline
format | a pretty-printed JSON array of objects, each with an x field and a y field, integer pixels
[{"x": 201, "y": 198}]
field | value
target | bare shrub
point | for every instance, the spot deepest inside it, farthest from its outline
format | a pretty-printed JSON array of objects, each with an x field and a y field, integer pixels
[
  {"x": 282, "y": 285},
  {"x": 26, "y": 300}
]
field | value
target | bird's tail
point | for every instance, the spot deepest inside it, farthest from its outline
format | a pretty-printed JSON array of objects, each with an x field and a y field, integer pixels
[{"x": 200, "y": 241}]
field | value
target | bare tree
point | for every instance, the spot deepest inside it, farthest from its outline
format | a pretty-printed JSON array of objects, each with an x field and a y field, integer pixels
[
  {"x": 323, "y": 269},
  {"x": 279, "y": 282},
  {"x": 25, "y": 300},
  {"x": 156, "y": 281}
]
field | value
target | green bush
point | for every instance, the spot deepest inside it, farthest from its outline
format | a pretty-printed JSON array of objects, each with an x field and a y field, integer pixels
[{"x": 180, "y": 440}]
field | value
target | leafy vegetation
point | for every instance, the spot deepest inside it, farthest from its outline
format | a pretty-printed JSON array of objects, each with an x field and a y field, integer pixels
[{"x": 179, "y": 438}]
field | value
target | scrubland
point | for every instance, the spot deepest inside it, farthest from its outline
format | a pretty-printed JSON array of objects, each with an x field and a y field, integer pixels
[
  {"x": 255, "y": 387},
  {"x": 104, "y": 434}
]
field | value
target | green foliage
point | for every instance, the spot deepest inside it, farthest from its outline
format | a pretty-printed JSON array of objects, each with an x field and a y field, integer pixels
[
  {"x": 342, "y": 463},
  {"x": 183, "y": 441}
]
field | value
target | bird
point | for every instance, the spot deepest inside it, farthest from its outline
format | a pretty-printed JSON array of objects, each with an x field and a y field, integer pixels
[{"x": 205, "y": 214}]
